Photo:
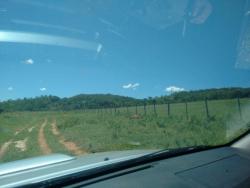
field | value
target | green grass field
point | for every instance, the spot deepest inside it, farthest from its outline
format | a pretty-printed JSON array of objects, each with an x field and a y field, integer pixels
[{"x": 28, "y": 134}]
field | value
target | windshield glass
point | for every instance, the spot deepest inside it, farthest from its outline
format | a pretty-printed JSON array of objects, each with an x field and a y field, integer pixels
[{"x": 88, "y": 76}]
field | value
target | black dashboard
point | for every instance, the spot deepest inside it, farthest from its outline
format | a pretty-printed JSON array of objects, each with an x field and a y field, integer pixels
[{"x": 222, "y": 167}]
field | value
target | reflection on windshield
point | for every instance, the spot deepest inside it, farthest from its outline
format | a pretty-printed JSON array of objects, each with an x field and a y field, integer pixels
[
  {"x": 21, "y": 37},
  {"x": 80, "y": 77}
]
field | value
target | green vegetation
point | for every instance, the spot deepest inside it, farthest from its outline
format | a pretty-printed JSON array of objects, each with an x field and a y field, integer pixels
[
  {"x": 110, "y": 129},
  {"x": 210, "y": 94},
  {"x": 94, "y": 101},
  {"x": 20, "y": 130},
  {"x": 52, "y": 103}
]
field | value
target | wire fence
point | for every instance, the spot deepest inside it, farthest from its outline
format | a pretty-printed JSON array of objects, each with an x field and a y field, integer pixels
[{"x": 206, "y": 108}]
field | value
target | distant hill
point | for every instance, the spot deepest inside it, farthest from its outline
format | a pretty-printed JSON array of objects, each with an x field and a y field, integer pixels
[
  {"x": 96, "y": 101},
  {"x": 46, "y": 103},
  {"x": 90, "y": 101}
]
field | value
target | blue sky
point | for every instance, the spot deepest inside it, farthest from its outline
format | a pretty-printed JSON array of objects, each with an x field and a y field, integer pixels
[{"x": 120, "y": 52}]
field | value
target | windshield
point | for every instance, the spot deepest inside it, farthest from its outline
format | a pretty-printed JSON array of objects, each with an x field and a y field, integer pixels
[{"x": 80, "y": 76}]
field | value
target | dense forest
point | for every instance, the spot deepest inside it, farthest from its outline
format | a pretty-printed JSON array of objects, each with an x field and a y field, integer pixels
[{"x": 90, "y": 101}]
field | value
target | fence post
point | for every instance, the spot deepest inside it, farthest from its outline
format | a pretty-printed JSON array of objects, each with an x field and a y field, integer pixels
[
  {"x": 168, "y": 109},
  {"x": 239, "y": 107},
  {"x": 136, "y": 110},
  {"x": 154, "y": 107},
  {"x": 145, "y": 110},
  {"x": 186, "y": 104},
  {"x": 206, "y": 106}
]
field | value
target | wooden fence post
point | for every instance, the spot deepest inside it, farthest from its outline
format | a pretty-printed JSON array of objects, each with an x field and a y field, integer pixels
[
  {"x": 206, "y": 106},
  {"x": 168, "y": 109},
  {"x": 239, "y": 107},
  {"x": 186, "y": 104},
  {"x": 154, "y": 106}
]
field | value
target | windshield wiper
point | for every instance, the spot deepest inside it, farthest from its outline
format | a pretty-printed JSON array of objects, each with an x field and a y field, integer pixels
[{"x": 115, "y": 167}]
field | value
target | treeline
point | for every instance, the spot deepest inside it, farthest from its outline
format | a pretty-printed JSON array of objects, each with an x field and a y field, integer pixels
[
  {"x": 84, "y": 101},
  {"x": 210, "y": 94},
  {"x": 53, "y": 103}
]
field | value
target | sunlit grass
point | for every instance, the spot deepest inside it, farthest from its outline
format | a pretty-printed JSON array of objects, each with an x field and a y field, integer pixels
[{"x": 107, "y": 130}]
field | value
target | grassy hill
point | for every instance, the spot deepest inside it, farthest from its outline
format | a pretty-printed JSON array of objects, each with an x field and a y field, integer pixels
[{"x": 94, "y": 101}]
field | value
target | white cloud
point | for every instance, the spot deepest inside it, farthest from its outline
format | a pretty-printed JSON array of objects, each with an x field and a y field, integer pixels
[
  {"x": 131, "y": 86},
  {"x": 174, "y": 89},
  {"x": 127, "y": 86},
  {"x": 43, "y": 89},
  {"x": 136, "y": 85},
  {"x": 10, "y": 88},
  {"x": 29, "y": 61}
]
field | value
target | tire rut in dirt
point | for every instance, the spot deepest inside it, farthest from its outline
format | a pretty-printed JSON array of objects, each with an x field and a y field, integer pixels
[
  {"x": 4, "y": 148},
  {"x": 42, "y": 140},
  {"x": 70, "y": 146}
]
